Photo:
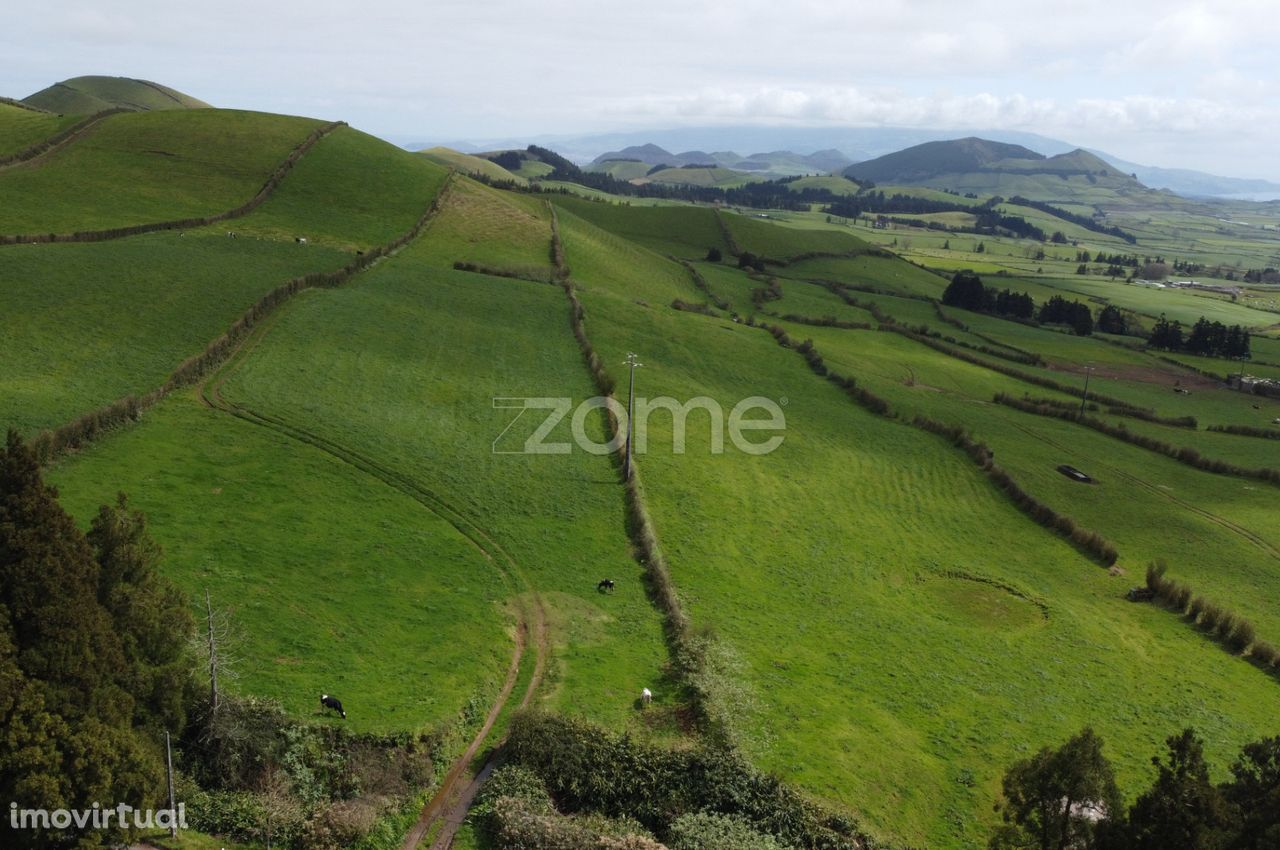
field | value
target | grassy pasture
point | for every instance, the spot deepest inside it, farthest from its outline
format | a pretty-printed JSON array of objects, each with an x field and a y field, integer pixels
[
  {"x": 880, "y": 680},
  {"x": 718, "y": 177},
  {"x": 351, "y": 191},
  {"x": 1151, "y": 506},
  {"x": 143, "y": 167},
  {"x": 772, "y": 240},
  {"x": 84, "y": 324},
  {"x": 20, "y": 128},
  {"x": 333, "y": 581},
  {"x": 831, "y": 182},
  {"x": 403, "y": 366},
  {"x": 468, "y": 164},
  {"x": 685, "y": 231},
  {"x": 622, "y": 170}
]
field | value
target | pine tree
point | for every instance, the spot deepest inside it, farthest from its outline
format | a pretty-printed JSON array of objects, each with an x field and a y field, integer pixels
[{"x": 1183, "y": 809}]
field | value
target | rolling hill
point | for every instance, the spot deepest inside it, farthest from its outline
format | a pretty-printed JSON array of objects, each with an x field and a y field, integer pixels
[
  {"x": 329, "y": 410},
  {"x": 85, "y": 95},
  {"x": 994, "y": 168}
]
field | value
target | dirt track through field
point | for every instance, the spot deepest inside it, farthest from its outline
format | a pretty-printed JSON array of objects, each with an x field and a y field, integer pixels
[{"x": 455, "y": 792}]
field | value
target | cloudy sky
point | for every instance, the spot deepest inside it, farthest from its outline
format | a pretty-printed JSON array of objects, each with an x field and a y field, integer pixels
[{"x": 1160, "y": 82}]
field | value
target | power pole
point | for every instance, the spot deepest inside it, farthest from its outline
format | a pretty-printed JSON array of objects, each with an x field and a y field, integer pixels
[
  {"x": 1088, "y": 370},
  {"x": 173, "y": 808},
  {"x": 632, "y": 361},
  {"x": 213, "y": 656}
]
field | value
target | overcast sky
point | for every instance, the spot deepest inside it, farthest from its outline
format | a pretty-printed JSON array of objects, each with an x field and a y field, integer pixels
[{"x": 1160, "y": 82}]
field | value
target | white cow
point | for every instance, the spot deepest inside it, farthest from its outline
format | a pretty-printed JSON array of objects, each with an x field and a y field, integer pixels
[{"x": 646, "y": 696}]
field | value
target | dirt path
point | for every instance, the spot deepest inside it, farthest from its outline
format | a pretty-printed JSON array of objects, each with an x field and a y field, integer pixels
[
  {"x": 1220, "y": 521},
  {"x": 456, "y": 791}
]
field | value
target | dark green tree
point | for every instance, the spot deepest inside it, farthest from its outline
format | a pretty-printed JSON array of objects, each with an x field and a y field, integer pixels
[
  {"x": 1183, "y": 810},
  {"x": 966, "y": 292},
  {"x": 1254, "y": 797},
  {"x": 714, "y": 255},
  {"x": 1057, "y": 798},
  {"x": 67, "y": 679},
  {"x": 1112, "y": 321}
]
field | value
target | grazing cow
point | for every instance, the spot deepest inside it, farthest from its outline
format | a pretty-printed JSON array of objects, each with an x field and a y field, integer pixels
[
  {"x": 327, "y": 701},
  {"x": 301, "y": 240},
  {"x": 605, "y": 586},
  {"x": 646, "y": 697}
]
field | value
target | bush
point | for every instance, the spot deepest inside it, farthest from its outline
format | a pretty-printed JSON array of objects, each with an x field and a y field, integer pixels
[
  {"x": 1242, "y": 636},
  {"x": 1266, "y": 654},
  {"x": 707, "y": 831}
]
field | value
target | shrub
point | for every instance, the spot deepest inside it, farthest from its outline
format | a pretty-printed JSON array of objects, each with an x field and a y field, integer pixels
[
  {"x": 708, "y": 831},
  {"x": 1226, "y": 625},
  {"x": 1266, "y": 654},
  {"x": 1241, "y": 636}
]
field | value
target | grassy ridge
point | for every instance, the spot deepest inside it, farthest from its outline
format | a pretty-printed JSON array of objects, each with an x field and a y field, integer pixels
[
  {"x": 149, "y": 166},
  {"x": 351, "y": 191}
]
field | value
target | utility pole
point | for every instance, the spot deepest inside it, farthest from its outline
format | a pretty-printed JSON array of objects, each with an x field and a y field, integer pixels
[
  {"x": 631, "y": 362},
  {"x": 213, "y": 656},
  {"x": 173, "y": 808},
  {"x": 1088, "y": 370}
]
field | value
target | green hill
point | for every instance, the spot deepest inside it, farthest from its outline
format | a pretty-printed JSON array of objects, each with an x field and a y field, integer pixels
[
  {"x": 934, "y": 159},
  {"x": 84, "y": 95},
  {"x": 988, "y": 168},
  {"x": 469, "y": 164},
  {"x": 341, "y": 442}
]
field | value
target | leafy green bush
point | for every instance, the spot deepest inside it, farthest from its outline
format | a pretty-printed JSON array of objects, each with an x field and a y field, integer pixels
[
  {"x": 587, "y": 769},
  {"x": 707, "y": 831}
]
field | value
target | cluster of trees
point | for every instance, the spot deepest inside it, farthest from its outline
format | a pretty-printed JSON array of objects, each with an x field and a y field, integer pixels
[
  {"x": 1267, "y": 275},
  {"x": 1087, "y": 222},
  {"x": 1210, "y": 339},
  {"x": 1059, "y": 311},
  {"x": 93, "y": 665},
  {"x": 1112, "y": 321},
  {"x": 968, "y": 292},
  {"x": 1068, "y": 798}
]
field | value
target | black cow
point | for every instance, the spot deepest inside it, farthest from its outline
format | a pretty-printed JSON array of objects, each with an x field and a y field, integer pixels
[
  {"x": 332, "y": 702},
  {"x": 605, "y": 585}
]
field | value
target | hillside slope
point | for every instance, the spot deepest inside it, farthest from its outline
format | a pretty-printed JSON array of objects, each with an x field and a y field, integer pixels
[{"x": 85, "y": 95}]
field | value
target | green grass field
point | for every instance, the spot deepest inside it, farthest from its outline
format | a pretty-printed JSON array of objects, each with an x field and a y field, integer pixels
[
  {"x": 404, "y": 367},
  {"x": 882, "y": 681},
  {"x": 351, "y": 191},
  {"x": 20, "y": 128},
  {"x": 82, "y": 325},
  {"x": 144, "y": 167},
  {"x": 468, "y": 164},
  {"x": 352, "y": 488},
  {"x": 332, "y": 581}
]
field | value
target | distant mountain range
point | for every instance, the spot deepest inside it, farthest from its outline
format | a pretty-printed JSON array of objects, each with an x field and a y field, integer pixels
[
  {"x": 774, "y": 164},
  {"x": 855, "y": 145}
]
